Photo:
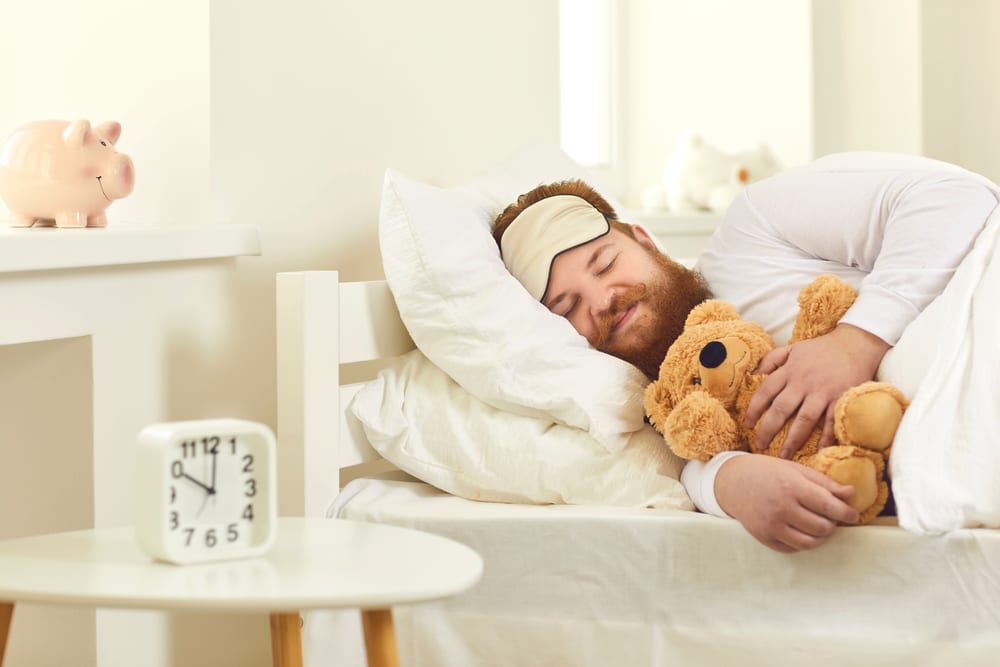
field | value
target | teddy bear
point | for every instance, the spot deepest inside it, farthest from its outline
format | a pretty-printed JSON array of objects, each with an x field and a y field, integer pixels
[
  {"x": 698, "y": 176},
  {"x": 706, "y": 380}
]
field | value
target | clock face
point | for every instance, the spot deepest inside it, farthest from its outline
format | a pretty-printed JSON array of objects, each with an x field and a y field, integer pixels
[
  {"x": 216, "y": 496},
  {"x": 206, "y": 490}
]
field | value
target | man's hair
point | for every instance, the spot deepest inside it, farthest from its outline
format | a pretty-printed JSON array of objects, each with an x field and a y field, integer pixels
[{"x": 570, "y": 187}]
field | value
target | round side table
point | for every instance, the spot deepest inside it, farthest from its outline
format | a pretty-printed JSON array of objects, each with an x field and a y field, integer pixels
[{"x": 314, "y": 564}]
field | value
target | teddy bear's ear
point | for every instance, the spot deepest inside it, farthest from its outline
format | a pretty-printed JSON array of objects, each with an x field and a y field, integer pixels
[{"x": 712, "y": 310}]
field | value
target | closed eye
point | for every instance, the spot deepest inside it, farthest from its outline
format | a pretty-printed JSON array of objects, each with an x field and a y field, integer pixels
[
  {"x": 571, "y": 308},
  {"x": 608, "y": 267}
]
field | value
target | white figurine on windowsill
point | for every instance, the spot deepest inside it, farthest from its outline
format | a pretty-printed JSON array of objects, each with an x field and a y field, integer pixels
[{"x": 698, "y": 177}]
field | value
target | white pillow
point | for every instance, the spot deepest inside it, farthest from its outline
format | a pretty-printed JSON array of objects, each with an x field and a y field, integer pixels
[
  {"x": 419, "y": 419},
  {"x": 477, "y": 323}
]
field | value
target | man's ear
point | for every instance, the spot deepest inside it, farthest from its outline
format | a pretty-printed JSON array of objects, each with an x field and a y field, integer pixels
[{"x": 645, "y": 239}]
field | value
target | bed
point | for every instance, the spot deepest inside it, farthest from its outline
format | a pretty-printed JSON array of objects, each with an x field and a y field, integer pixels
[
  {"x": 450, "y": 420},
  {"x": 592, "y": 585}
]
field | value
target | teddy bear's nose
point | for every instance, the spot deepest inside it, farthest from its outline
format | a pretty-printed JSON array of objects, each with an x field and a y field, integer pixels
[{"x": 712, "y": 355}]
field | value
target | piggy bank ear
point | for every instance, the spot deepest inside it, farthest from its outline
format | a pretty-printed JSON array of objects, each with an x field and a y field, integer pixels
[
  {"x": 110, "y": 130},
  {"x": 76, "y": 133},
  {"x": 712, "y": 310}
]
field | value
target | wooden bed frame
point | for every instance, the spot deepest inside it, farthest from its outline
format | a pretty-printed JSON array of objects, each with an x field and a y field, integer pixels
[{"x": 316, "y": 441}]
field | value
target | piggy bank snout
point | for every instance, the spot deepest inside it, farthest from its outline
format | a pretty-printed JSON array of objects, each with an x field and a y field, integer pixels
[{"x": 121, "y": 180}]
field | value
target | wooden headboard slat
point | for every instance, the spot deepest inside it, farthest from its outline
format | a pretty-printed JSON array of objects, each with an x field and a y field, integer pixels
[{"x": 322, "y": 324}]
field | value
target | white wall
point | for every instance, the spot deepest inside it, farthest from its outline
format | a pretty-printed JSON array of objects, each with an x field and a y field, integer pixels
[
  {"x": 916, "y": 76},
  {"x": 867, "y": 76},
  {"x": 310, "y": 106},
  {"x": 962, "y": 83}
]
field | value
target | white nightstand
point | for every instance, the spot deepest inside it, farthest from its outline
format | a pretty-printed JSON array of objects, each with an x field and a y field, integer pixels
[{"x": 315, "y": 564}]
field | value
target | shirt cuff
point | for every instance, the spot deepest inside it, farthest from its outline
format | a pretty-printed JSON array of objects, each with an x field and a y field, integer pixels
[
  {"x": 699, "y": 481},
  {"x": 881, "y": 312}
]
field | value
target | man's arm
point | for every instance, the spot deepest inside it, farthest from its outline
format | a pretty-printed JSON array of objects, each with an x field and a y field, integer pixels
[{"x": 784, "y": 505}]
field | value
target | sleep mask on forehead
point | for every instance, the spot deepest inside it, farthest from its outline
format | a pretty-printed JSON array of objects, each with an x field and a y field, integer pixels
[{"x": 543, "y": 231}]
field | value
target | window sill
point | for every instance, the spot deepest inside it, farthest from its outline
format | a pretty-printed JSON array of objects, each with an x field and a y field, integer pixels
[{"x": 668, "y": 223}]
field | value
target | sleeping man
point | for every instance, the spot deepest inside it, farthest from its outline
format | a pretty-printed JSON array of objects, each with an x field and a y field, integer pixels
[{"x": 894, "y": 227}]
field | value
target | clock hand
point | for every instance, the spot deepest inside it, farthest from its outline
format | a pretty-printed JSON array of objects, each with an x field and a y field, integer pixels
[
  {"x": 202, "y": 508},
  {"x": 215, "y": 458},
  {"x": 189, "y": 477}
]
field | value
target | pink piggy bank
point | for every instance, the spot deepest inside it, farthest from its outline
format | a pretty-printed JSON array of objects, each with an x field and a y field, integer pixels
[{"x": 65, "y": 171}]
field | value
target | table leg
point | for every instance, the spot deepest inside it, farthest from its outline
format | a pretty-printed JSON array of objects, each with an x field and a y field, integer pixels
[
  {"x": 6, "y": 614},
  {"x": 286, "y": 640},
  {"x": 380, "y": 638}
]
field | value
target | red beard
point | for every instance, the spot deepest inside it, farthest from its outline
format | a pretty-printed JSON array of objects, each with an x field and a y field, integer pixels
[{"x": 667, "y": 299}]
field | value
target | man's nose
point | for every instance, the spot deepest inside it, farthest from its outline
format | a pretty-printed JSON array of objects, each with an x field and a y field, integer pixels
[{"x": 600, "y": 299}]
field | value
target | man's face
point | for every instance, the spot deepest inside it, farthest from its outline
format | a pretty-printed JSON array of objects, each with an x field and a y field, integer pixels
[{"x": 624, "y": 296}]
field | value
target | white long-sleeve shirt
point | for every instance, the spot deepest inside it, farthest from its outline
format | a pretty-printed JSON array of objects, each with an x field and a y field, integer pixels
[{"x": 894, "y": 227}]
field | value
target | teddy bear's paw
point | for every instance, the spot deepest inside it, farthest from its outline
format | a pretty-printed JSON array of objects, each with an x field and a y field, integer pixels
[
  {"x": 868, "y": 416},
  {"x": 858, "y": 468},
  {"x": 657, "y": 404},
  {"x": 699, "y": 428},
  {"x": 821, "y": 305}
]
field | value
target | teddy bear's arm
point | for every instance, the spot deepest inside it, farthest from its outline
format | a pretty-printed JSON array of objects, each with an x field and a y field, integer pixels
[
  {"x": 821, "y": 305},
  {"x": 699, "y": 428}
]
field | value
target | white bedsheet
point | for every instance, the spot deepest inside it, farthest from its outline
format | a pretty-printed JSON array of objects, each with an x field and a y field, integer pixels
[{"x": 577, "y": 585}]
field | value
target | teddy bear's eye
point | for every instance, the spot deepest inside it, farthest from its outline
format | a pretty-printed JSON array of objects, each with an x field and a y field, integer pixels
[{"x": 696, "y": 380}]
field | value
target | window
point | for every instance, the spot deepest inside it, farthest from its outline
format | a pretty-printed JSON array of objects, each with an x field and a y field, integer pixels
[{"x": 587, "y": 81}]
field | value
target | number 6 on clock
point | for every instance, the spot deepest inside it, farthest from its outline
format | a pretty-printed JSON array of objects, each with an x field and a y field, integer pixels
[{"x": 206, "y": 490}]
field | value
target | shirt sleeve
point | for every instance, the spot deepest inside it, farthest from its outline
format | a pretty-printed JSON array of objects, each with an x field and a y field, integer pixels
[
  {"x": 904, "y": 230},
  {"x": 699, "y": 481},
  {"x": 929, "y": 229}
]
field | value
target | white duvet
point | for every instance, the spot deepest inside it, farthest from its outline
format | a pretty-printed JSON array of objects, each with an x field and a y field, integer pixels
[{"x": 945, "y": 462}]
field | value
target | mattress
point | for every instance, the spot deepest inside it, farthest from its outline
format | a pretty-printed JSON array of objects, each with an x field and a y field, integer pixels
[{"x": 576, "y": 585}]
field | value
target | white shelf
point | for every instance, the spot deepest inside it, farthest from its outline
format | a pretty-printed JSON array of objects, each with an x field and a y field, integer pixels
[{"x": 47, "y": 248}]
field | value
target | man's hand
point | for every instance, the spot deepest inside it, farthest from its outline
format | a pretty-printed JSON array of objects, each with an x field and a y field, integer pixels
[
  {"x": 784, "y": 505},
  {"x": 805, "y": 380}
]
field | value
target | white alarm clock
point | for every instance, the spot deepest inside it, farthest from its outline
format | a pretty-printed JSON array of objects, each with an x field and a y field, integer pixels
[{"x": 207, "y": 490}]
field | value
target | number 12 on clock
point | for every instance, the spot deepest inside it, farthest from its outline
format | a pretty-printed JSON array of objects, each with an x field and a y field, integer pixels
[{"x": 206, "y": 490}]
